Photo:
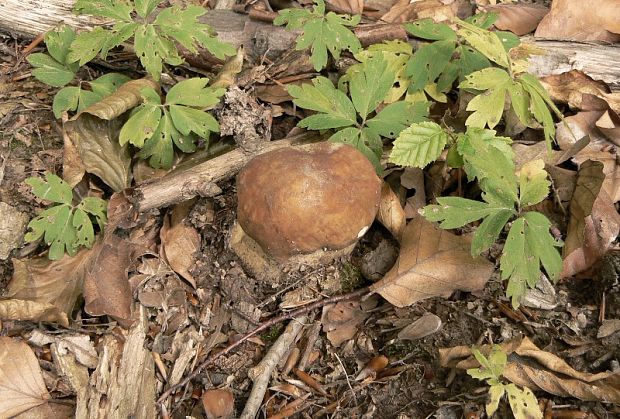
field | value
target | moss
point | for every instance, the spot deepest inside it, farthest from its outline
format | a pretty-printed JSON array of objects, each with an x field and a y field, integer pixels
[
  {"x": 271, "y": 335},
  {"x": 350, "y": 277},
  {"x": 400, "y": 349}
]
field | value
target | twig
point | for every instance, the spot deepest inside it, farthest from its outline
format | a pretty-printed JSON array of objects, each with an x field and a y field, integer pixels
[
  {"x": 261, "y": 374},
  {"x": 263, "y": 326},
  {"x": 313, "y": 335}
]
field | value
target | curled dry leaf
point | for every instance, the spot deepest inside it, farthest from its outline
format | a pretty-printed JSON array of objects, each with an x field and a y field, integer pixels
[
  {"x": 340, "y": 321},
  {"x": 526, "y": 153},
  {"x": 519, "y": 18},
  {"x": 21, "y": 380},
  {"x": 95, "y": 130},
  {"x": 372, "y": 368},
  {"x": 391, "y": 214},
  {"x": 583, "y": 20},
  {"x": 180, "y": 241},
  {"x": 352, "y": 7},
  {"x": 406, "y": 10},
  {"x": 541, "y": 370},
  {"x": 218, "y": 404},
  {"x": 433, "y": 262},
  {"x": 570, "y": 87},
  {"x": 45, "y": 290},
  {"x": 422, "y": 327}
]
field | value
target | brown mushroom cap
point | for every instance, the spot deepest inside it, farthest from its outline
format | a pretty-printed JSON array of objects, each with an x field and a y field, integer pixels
[{"x": 299, "y": 200}]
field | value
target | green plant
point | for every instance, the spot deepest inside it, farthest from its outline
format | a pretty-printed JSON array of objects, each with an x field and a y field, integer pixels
[
  {"x": 358, "y": 120},
  {"x": 64, "y": 226},
  {"x": 321, "y": 32},
  {"x": 154, "y": 34},
  {"x": 522, "y": 401},
  {"x": 154, "y": 127}
]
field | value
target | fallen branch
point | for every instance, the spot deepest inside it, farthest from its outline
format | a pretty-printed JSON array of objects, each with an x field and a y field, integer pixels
[{"x": 263, "y": 326}]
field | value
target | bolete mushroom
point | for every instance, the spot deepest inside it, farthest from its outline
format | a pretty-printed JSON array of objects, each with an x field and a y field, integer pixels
[{"x": 303, "y": 205}]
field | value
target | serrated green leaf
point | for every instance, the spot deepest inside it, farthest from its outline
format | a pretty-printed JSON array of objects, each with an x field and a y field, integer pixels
[
  {"x": 55, "y": 225},
  {"x": 87, "y": 45},
  {"x": 154, "y": 49},
  {"x": 145, "y": 7},
  {"x": 108, "y": 83},
  {"x": 428, "y": 62},
  {"x": 323, "y": 97},
  {"x": 188, "y": 120},
  {"x": 453, "y": 212},
  {"x": 396, "y": 117},
  {"x": 96, "y": 207},
  {"x": 428, "y": 29},
  {"x": 486, "y": 42},
  {"x": 84, "y": 232},
  {"x": 533, "y": 183},
  {"x": 50, "y": 71},
  {"x": 540, "y": 103},
  {"x": 58, "y": 41},
  {"x": 520, "y": 102},
  {"x": 115, "y": 9},
  {"x": 158, "y": 148},
  {"x": 120, "y": 33},
  {"x": 419, "y": 145},
  {"x": 370, "y": 86},
  {"x": 194, "y": 92},
  {"x": 321, "y": 32},
  {"x": 364, "y": 142},
  {"x": 489, "y": 230},
  {"x": 488, "y": 107},
  {"x": 141, "y": 125},
  {"x": 53, "y": 188},
  {"x": 467, "y": 61},
  {"x": 523, "y": 403}
]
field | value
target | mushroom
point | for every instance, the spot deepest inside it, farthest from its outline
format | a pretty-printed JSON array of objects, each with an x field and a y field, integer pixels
[{"x": 303, "y": 205}]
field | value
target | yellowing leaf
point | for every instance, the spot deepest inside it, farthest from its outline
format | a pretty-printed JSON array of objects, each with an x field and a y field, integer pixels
[
  {"x": 533, "y": 183},
  {"x": 432, "y": 262},
  {"x": 523, "y": 402}
]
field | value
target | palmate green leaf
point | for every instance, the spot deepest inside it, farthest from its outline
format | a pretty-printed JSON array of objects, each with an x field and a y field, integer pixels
[
  {"x": 397, "y": 116},
  {"x": 96, "y": 207},
  {"x": 73, "y": 99},
  {"x": 491, "y": 368},
  {"x": 428, "y": 62},
  {"x": 368, "y": 143},
  {"x": 159, "y": 147},
  {"x": 428, "y": 29},
  {"x": 141, "y": 125},
  {"x": 115, "y": 9},
  {"x": 468, "y": 61},
  {"x": 336, "y": 110},
  {"x": 108, "y": 83},
  {"x": 120, "y": 33},
  {"x": 194, "y": 92},
  {"x": 58, "y": 41},
  {"x": 53, "y": 189},
  {"x": 145, "y": 7},
  {"x": 187, "y": 120},
  {"x": 486, "y": 42},
  {"x": 55, "y": 225},
  {"x": 50, "y": 71},
  {"x": 419, "y": 145},
  {"x": 154, "y": 49},
  {"x": 370, "y": 86},
  {"x": 84, "y": 232},
  {"x": 321, "y": 32},
  {"x": 488, "y": 107},
  {"x": 540, "y": 103},
  {"x": 533, "y": 183},
  {"x": 529, "y": 244},
  {"x": 87, "y": 45},
  {"x": 523, "y": 402}
]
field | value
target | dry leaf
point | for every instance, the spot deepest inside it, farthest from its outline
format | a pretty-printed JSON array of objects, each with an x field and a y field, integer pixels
[
  {"x": 352, "y": 7},
  {"x": 180, "y": 241},
  {"x": 45, "y": 290},
  {"x": 570, "y": 87},
  {"x": 372, "y": 368},
  {"x": 391, "y": 214},
  {"x": 541, "y": 370},
  {"x": 519, "y": 18},
  {"x": 72, "y": 166},
  {"x": 340, "y": 321},
  {"x": 79, "y": 345},
  {"x": 589, "y": 180},
  {"x": 218, "y": 404},
  {"x": 433, "y": 262},
  {"x": 526, "y": 153},
  {"x": 582, "y": 20},
  {"x": 12, "y": 226},
  {"x": 21, "y": 380},
  {"x": 422, "y": 327}
]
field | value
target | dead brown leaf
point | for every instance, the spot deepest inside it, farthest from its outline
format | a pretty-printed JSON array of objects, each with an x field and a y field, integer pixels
[
  {"x": 589, "y": 180},
  {"x": 541, "y": 370},
  {"x": 352, "y": 7},
  {"x": 180, "y": 242},
  {"x": 218, "y": 404},
  {"x": 519, "y": 18},
  {"x": 391, "y": 214},
  {"x": 433, "y": 262},
  {"x": 72, "y": 166},
  {"x": 405, "y": 11},
  {"x": 539, "y": 151},
  {"x": 570, "y": 87},
  {"x": 340, "y": 321},
  {"x": 581, "y": 20},
  {"x": 372, "y": 368},
  {"x": 21, "y": 380},
  {"x": 45, "y": 290},
  {"x": 426, "y": 325}
]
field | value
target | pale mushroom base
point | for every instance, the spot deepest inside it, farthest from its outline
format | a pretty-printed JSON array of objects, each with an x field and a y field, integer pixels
[{"x": 262, "y": 266}]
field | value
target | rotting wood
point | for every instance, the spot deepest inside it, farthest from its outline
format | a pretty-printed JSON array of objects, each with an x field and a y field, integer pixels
[{"x": 260, "y": 39}]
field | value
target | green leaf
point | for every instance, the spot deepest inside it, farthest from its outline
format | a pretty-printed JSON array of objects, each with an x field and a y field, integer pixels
[
  {"x": 397, "y": 116},
  {"x": 509, "y": 39},
  {"x": 183, "y": 26},
  {"x": 87, "y": 45},
  {"x": 96, "y": 207},
  {"x": 108, "y": 83},
  {"x": 483, "y": 20},
  {"x": 428, "y": 29},
  {"x": 453, "y": 211},
  {"x": 58, "y": 41},
  {"x": 428, "y": 62},
  {"x": 323, "y": 97},
  {"x": 520, "y": 102},
  {"x": 154, "y": 49},
  {"x": 468, "y": 61},
  {"x": 65, "y": 100},
  {"x": 489, "y": 230},
  {"x": 540, "y": 103},
  {"x": 141, "y": 125},
  {"x": 145, "y": 7},
  {"x": 486, "y": 42},
  {"x": 368, "y": 144},
  {"x": 84, "y": 232},
  {"x": 523, "y": 403},
  {"x": 194, "y": 92},
  {"x": 488, "y": 107},
  {"x": 321, "y": 32},
  {"x": 529, "y": 244},
  {"x": 188, "y": 120},
  {"x": 50, "y": 71},
  {"x": 419, "y": 145},
  {"x": 491, "y": 368},
  {"x": 533, "y": 183},
  {"x": 115, "y": 9},
  {"x": 53, "y": 188},
  {"x": 370, "y": 86},
  {"x": 120, "y": 33},
  {"x": 495, "y": 395},
  {"x": 158, "y": 148}
]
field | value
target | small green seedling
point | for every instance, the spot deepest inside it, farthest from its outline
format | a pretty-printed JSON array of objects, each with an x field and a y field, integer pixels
[
  {"x": 64, "y": 226},
  {"x": 522, "y": 401},
  {"x": 321, "y": 32}
]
